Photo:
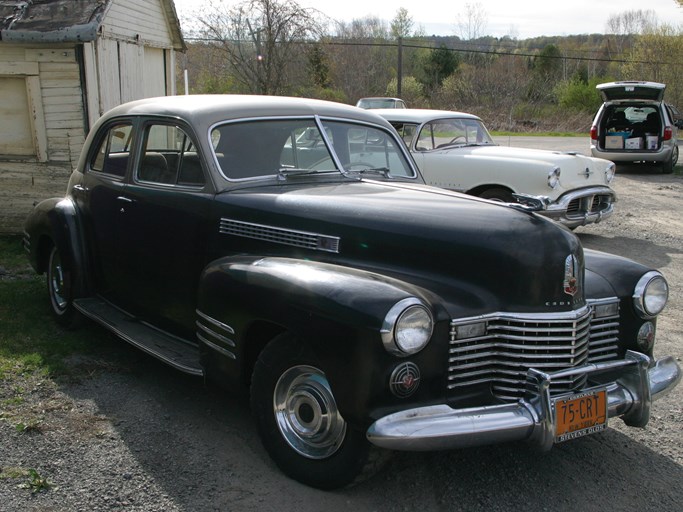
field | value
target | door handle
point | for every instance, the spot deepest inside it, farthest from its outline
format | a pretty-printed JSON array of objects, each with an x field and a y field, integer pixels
[
  {"x": 80, "y": 188},
  {"x": 124, "y": 199}
]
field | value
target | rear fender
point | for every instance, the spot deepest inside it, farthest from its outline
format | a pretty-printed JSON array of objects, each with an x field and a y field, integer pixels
[{"x": 56, "y": 222}]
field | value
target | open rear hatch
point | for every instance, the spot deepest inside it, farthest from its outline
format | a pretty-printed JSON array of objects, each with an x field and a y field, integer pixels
[{"x": 631, "y": 90}]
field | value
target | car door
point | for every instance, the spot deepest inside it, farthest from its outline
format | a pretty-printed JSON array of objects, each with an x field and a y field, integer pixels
[
  {"x": 97, "y": 194},
  {"x": 163, "y": 225}
]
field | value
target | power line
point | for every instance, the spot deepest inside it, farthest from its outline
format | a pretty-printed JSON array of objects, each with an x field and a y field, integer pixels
[{"x": 497, "y": 53}]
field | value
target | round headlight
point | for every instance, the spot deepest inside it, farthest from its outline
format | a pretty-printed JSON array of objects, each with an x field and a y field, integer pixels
[
  {"x": 554, "y": 178},
  {"x": 610, "y": 172},
  {"x": 407, "y": 327},
  {"x": 651, "y": 294}
]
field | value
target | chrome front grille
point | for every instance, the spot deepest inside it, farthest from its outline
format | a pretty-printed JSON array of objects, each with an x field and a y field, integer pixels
[
  {"x": 595, "y": 203},
  {"x": 505, "y": 346},
  {"x": 306, "y": 240}
]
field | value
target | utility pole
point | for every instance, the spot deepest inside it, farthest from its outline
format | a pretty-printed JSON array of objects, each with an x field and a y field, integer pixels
[{"x": 399, "y": 68}]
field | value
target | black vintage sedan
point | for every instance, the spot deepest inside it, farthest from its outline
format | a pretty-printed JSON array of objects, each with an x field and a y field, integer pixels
[{"x": 289, "y": 250}]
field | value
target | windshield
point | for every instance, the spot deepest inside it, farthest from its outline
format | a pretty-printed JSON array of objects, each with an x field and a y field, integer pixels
[
  {"x": 260, "y": 148},
  {"x": 443, "y": 133}
]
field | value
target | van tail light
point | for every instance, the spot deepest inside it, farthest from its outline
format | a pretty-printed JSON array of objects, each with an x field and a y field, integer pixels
[
  {"x": 668, "y": 132},
  {"x": 594, "y": 132}
]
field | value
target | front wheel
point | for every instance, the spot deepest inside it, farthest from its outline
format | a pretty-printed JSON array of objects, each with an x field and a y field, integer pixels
[
  {"x": 498, "y": 194},
  {"x": 298, "y": 419},
  {"x": 59, "y": 288}
]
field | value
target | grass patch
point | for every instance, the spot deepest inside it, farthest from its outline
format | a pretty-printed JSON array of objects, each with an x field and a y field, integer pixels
[
  {"x": 30, "y": 340},
  {"x": 537, "y": 134}
]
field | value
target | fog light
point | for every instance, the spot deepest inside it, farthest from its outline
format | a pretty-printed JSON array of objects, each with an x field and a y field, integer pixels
[
  {"x": 646, "y": 337},
  {"x": 405, "y": 379}
]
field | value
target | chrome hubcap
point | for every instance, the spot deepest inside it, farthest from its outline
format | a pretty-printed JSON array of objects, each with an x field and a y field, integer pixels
[{"x": 306, "y": 412}]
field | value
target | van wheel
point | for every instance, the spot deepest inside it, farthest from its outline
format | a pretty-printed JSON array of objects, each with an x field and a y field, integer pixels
[
  {"x": 60, "y": 289},
  {"x": 298, "y": 419},
  {"x": 669, "y": 165}
]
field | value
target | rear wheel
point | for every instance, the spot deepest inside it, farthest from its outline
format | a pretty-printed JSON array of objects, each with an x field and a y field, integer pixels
[
  {"x": 669, "y": 165},
  {"x": 59, "y": 288},
  {"x": 298, "y": 419}
]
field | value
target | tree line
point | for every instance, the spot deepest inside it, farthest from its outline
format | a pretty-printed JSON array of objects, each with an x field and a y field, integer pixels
[{"x": 546, "y": 83}]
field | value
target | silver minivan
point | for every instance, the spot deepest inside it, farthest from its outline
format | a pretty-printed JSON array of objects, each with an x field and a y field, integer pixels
[{"x": 635, "y": 125}]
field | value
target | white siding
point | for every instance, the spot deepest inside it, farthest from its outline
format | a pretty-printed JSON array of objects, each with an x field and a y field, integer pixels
[
  {"x": 16, "y": 129},
  {"x": 138, "y": 20},
  {"x": 108, "y": 74},
  {"x": 52, "y": 101},
  {"x": 155, "y": 72},
  {"x": 133, "y": 72}
]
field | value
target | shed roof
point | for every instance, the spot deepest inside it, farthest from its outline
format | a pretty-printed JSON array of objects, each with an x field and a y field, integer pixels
[{"x": 65, "y": 21}]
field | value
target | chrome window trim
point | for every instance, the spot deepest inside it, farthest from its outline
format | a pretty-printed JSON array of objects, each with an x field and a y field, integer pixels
[{"x": 318, "y": 120}]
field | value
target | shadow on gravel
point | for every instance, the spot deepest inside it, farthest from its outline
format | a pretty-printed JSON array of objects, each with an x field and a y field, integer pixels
[
  {"x": 200, "y": 448},
  {"x": 641, "y": 250}
]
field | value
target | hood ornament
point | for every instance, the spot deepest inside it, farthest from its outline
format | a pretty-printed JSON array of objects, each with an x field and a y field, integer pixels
[{"x": 571, "y": 272}]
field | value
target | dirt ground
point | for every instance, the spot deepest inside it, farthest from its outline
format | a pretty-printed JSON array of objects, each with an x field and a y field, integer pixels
[{"x": 135, "y": 435}]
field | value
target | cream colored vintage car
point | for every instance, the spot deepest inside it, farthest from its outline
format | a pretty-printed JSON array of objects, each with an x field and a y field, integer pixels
[{"x": 455, "y": 151}]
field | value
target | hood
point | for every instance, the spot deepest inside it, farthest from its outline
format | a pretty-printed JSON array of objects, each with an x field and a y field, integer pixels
[
  {"x": 473, "y": 252},
  {"x": 576, "y": 170}
]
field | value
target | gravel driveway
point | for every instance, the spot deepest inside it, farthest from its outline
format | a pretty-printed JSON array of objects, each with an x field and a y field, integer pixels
[{"x": 134, "y": 435}]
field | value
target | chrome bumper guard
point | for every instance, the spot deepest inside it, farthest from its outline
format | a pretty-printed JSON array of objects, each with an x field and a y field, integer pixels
[{"x": 441, "y": 427}]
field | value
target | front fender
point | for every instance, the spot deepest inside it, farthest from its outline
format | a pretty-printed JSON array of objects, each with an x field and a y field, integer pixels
[
  {"x": 337, "y": 311},
  {"x": 56, "y": 221}
]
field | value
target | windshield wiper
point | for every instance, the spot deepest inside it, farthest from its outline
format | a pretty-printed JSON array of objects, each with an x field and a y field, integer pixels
[
  {"x": 284, "y": 172},
  {"x": 383, "y": 171}
]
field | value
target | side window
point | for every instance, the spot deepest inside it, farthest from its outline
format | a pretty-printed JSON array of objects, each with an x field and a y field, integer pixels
[
  {"x": 426, "y": 140},
  {"x": 169, "y": 157},
  {"x": 113, "y": 152}
]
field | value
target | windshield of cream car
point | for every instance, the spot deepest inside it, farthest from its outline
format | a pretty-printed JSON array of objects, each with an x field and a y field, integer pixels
[
  {"x": 260, "y": 148},
  {"x": 443, "y": 133}
]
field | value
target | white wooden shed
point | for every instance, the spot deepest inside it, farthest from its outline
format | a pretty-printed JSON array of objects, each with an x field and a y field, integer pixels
[{"x": 62, "y": 64}]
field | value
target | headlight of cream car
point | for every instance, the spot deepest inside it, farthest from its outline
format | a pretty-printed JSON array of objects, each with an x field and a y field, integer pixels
[
  {"x": 554, "y": 178},
  {"x": 651, "y": 294},
  {"x": 610, "y": 172},
  {"x": 407, "y": 327}
]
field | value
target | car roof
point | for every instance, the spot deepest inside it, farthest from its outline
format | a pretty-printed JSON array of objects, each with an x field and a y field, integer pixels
[
  {"x": 420, "y": 115},
  {"x": 209, "y": 109},
  {"x": 631, "y": 90}
]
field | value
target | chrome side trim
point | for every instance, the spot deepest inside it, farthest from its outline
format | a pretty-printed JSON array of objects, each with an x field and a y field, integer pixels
[
  {"x": 215, "y": 347},
  {"x": 440, "y": 427},
  {"x": 215, "y": 322},
  {"x": 304, "y": 239},
  {"x": 210, "y": 336}
]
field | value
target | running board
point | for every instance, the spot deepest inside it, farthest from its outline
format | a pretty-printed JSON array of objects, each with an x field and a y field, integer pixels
[{"x": 169, "y": 349}]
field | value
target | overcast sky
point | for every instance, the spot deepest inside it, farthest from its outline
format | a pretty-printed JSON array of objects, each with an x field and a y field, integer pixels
[{"x": 517, "y": 18}]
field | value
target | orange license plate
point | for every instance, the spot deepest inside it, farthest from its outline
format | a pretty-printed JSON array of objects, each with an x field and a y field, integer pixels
[{"x": 580, "y": 415}]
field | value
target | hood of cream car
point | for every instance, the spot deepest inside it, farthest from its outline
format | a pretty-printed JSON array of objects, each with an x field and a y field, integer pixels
[{"x": 521, "y": 169}]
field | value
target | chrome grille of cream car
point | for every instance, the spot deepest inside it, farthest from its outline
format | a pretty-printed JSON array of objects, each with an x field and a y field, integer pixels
[
  {"x": 499, "y": 349},
  {"x": 278, "y": 235},
  {"x": 581, "y": 206}
]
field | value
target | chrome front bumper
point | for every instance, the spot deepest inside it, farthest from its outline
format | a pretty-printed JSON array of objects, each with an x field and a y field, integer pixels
[
  {"x": 440, "y": 427},
  {"x": 559, "y": 211}
]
